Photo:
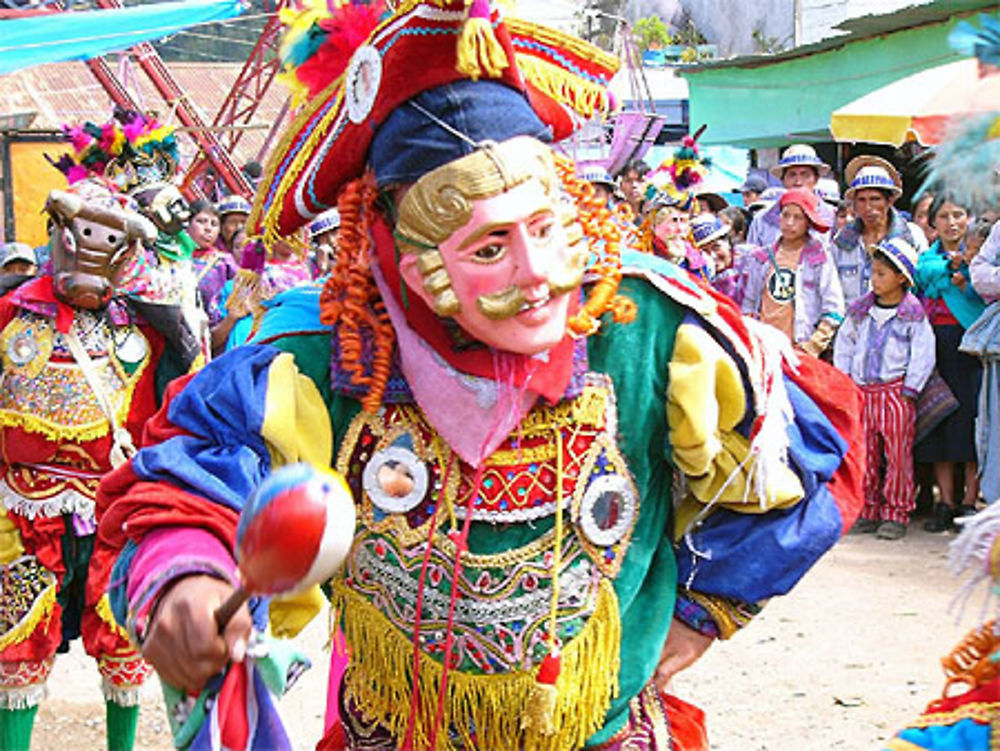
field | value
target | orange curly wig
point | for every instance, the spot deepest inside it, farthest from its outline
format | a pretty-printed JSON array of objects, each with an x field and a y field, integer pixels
[{"x": 350, "y": 301}]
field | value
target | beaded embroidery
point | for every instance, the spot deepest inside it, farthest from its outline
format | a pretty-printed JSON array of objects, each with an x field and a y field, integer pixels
[
  {"x": 27, "y": 597},
  {"x": 401, "y": 472},
  {"x": 396, "y": 464},
  {"x": 50, "y": 394},
  {"x": 502, "y": 610}
]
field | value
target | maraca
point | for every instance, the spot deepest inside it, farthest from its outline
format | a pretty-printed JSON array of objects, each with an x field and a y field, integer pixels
[{"x": 294, "y": 532}]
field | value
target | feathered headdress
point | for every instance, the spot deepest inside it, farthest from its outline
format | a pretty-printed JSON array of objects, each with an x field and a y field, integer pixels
[
  {"x": 352, "y": 64},
  {"x": 320, "y": 39},
  {"x": 130, "y": 149},
  {"x": 966, "y": 161},
  {"x": 982, "y": 41},
  {"x": 676, "y": 180}
]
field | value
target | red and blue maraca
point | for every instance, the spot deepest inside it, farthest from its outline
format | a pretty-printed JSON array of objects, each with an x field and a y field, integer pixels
[{"x": 294, "y": 532}]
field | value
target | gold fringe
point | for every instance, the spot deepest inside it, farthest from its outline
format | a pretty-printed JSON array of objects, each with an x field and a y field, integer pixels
[
  {"x": 41, "y": 609},
  {"x": 478, "y": 51},
  {"x": 541, "y": 710},
  {"x": 103, "y": 611},
  {"x": 380, "y": 679},
  {"x": 561, "y": 40},
  {"x": 583, "y": 96},
  {"x": 54, "y": 431}
]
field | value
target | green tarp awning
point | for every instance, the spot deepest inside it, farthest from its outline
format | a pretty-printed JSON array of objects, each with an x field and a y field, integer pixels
[{"x": 771, "y": 100}]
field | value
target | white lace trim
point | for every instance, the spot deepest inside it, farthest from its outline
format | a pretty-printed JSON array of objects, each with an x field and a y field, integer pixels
[
  {"x": 23, "y": 698},
  {"x": 67, "y": 501},
  {"x": 123, "y": 696}
]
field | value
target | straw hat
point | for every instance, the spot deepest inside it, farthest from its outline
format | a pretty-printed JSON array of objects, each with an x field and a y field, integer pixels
[
  {"x": 705, "y": 228},
  {"x": 596, "y": 174},
  {"x": 233, "y": 204},
  {"x": 325, "y": 222},
  {"x": 797, "y": 155},
  {"x": 901, "y": 254},
  {"x": 828, "y": 189},
  {"x": 870, "y": 171}
]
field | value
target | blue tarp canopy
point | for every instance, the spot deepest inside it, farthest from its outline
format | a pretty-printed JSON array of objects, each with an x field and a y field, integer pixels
[{"x": 81, "y": 35}]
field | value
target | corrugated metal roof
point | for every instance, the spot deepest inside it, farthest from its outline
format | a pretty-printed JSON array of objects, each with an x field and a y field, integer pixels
[
  {"x": 68, "y": 93},
  {"x": 855, "y": 30}
]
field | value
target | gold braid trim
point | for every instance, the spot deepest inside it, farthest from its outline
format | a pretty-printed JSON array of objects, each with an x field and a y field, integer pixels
[
  {"x": 555, "y": 38},
  {"x": 978, "y": 712},
  {"x": 41, "y": 609},
  {"x": 729, "y": 616},
  {"x": 380, "y": 679}
]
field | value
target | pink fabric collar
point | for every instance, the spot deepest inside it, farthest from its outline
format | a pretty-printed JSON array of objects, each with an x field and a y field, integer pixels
[{"x": 472, "y": 414}]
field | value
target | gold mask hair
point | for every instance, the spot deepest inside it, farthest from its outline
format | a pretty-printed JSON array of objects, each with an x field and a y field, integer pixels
[{"x": 440, "y": 203}]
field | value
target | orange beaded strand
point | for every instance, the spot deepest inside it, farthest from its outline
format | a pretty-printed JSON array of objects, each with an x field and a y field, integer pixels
[{"x": 350, "y": 299}]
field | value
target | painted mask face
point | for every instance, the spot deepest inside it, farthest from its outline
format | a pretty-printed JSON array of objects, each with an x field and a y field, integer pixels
[
  {"x": 501, "y": 265},
  {"x": 91, "y": 238},
  {"x": 165, "y": 206},
  {"x": 491, "y": 241},
  {"x": 671, "y": 224}
]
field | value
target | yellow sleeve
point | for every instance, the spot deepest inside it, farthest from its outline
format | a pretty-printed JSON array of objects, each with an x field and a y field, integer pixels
[
  {"x": 289, "y": 614},
  {"x": 296, "y": 428},
  {"x": 705, "y": 402}
]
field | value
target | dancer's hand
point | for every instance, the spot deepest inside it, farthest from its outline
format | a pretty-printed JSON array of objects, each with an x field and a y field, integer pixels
[
  {"x": 183, "y": 642},
  {"x": 682, "y": 649}
]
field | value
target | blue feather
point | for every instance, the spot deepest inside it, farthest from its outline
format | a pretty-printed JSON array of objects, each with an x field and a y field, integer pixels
[
  {"x": 305, "y": 47},
  {"x": 982, "y": 42},
  {"x": 965, "y": 163}
]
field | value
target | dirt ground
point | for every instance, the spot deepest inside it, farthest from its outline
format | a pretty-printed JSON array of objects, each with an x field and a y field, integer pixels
[{"x": 840, "y": 663}]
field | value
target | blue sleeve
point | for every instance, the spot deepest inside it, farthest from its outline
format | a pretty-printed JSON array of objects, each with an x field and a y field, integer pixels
[
  {"x": 296, "y": 311},
  {"x": 221, "y": 454},
  {"x": 752, "y": 557},
  {"x": 932, "y": 274}
]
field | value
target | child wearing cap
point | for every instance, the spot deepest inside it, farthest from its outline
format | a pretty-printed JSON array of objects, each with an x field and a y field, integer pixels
[
  {"x": 886, "y": 345},
  {"x": 711, "y": 236},
  {"x": 793, "y": 284}
]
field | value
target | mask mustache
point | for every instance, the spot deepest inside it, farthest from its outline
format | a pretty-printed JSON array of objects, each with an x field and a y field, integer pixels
[
  {"x": 506, "y": 303},
  {"x": 510, "y": 301}
]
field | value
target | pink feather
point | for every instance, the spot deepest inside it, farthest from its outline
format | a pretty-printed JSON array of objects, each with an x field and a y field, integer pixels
[
  {"x": 133, "y": 129},
  {"x": 76, "y": 173},
  {"x": 78, "y": 138}
]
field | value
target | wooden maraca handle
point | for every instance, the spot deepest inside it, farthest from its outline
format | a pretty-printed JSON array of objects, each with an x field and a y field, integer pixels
[{"x": 225, "y": 611}]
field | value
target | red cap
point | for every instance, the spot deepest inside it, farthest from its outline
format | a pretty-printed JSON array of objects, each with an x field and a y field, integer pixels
[{"x": 808, "y": 202}]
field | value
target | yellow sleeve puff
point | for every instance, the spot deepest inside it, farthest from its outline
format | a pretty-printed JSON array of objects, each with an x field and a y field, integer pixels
[
  {"x": 705, "y": 402},
  {"x": 297, "y": 429}
]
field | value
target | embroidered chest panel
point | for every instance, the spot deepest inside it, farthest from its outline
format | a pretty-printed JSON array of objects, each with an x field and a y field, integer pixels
[
  {"x": 44, "y": 389},
  {"x": 414, "y": 494}
]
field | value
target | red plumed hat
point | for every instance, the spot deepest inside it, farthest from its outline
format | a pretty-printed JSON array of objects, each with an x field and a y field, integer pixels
[{"x": 359, "y": 63}]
